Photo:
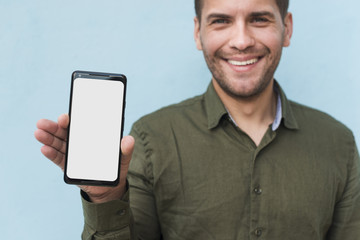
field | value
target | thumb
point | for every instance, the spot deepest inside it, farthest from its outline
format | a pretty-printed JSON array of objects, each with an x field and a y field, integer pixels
[
  {"x": 63, "y": 121},
  {"x": 127, "y": 148}
]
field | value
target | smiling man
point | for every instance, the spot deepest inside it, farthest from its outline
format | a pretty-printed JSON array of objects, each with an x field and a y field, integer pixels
[
  {"x": 240, "y": 161},
  {"x": 242, "y": 45}
]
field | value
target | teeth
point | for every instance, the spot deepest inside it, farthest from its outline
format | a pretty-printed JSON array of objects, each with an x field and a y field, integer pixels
[{"x": 244, "y": 63}]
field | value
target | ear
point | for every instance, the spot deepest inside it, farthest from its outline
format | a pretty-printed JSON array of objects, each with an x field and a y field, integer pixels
[
  {"x": 197, "y": 33},
  {"x": 288, "y": 31}
]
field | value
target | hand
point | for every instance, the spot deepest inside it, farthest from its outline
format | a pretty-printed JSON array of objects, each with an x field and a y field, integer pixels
[{"x": 53, "y": 135}]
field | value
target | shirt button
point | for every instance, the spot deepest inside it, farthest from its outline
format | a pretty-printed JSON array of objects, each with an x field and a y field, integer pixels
[
  {"x": 258, "y": 190},
  {"x": 258, "y": 232},
  {"x": 121, "y": 212}
]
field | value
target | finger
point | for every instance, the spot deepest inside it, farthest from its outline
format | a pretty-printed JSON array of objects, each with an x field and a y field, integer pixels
[
  {"x": 55, "y": 156},
  {"x": 52, "y": 128},
  {"x": 50, "y": 140}
]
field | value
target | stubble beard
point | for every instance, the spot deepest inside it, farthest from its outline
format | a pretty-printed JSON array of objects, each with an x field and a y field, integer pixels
[{"x": 224, "y": 82}]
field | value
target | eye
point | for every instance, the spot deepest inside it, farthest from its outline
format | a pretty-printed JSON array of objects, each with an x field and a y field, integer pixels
[
  {"x": 220, "y": 21},
  {"x": 260, "y": 20}
]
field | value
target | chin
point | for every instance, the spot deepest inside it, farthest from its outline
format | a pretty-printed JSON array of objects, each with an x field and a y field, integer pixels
[{"x": 244, "y": 88}]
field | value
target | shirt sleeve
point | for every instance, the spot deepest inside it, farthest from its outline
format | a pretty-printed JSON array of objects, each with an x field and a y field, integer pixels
[
  {"x": 346, "y": 220},
  {"x": 107, "y": 221},
  {"x": 135, "y": 216},
  {"x": 141, "y": 184}
]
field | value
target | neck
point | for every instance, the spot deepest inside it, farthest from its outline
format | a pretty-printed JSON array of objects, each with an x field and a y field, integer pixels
[{"x": 252, "y": 115}]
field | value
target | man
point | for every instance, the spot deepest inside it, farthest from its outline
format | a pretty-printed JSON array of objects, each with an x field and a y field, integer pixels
[{"x": 240, "y": 161}]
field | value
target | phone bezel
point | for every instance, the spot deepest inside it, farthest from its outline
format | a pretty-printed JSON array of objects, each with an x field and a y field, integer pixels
[{"x": 98, "y": 76}]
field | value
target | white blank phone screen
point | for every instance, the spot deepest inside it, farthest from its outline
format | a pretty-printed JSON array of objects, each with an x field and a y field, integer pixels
[{"x": 95, "y": 130}]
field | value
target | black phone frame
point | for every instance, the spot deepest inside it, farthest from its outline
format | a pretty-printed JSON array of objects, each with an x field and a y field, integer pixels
[{"x": 100, "y": 76}]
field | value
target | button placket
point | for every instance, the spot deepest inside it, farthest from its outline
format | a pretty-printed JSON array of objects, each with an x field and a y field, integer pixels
[{"x": 256, "y": 198}]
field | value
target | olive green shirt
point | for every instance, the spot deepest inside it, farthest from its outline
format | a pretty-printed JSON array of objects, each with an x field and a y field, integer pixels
[{"x": 196, "y": 175}]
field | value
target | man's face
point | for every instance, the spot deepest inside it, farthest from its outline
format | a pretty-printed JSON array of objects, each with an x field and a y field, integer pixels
[{"x": 242, "y": 42}]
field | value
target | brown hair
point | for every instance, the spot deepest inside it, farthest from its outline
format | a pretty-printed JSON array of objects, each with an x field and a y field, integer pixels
[{"x": 283, "y": 6}]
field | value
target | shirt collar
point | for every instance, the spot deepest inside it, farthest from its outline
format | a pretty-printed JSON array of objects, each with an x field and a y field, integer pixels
[
  {"x": 215, "y": 109},
  {"x": 286, "y": 110}
]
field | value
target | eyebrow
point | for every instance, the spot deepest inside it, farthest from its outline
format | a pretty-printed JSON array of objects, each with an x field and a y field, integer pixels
[
  {"x": 253, "y": 14},
  {"x": 262, "y": 14},
  {"x": 216, "y": 15}
]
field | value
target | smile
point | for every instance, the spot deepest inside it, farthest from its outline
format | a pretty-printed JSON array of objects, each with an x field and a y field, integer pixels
[{"x": 243, "y": 63}]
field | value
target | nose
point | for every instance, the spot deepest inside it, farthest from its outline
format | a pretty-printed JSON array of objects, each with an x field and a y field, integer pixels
[{"x": 241, "y": 37}]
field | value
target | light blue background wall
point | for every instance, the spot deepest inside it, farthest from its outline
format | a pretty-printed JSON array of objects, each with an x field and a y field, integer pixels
[{"x": 42, "y": 42}]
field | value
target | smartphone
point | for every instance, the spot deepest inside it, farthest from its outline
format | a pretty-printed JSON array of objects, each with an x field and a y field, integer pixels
[{"x": 96, "y": 111}]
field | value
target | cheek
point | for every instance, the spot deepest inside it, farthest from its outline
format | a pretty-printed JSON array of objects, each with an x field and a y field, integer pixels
[
  {"x": 273, "y": 40},
  {"x": 212, "y": 42}
]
